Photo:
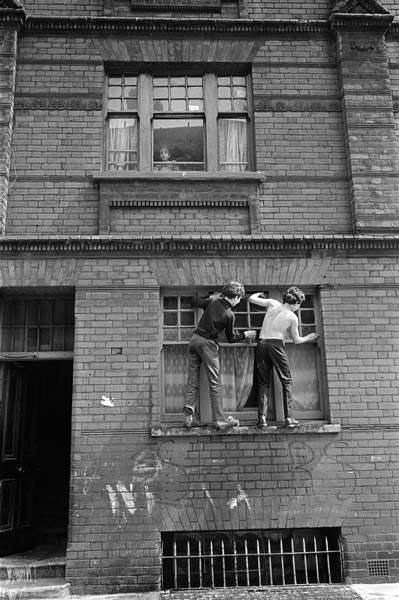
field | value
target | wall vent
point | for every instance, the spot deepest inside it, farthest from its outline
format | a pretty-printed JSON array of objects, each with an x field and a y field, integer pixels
[
  {"x": 221, "y": 559},
  {"x": 378, "y": 568}
]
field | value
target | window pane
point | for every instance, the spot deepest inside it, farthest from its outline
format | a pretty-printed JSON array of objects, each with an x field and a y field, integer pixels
[
  {"x": 178, "y": 105},
  {"x": 114, "y": 105},
  {"x": 170, "y": 302},
  {"x": 178, "y": 81},
  {"x": 170, "y": 318},
  {"x": 192, "y": 81},
  {"x": 303, "y": 362},
  {"x": 195, "y": 105},
  {"x": 114, "y": 92},
  {"x": 224, "y": 92},
  {"x": 186, "y": 301},
  {"x": 160, "y": 92},
  {"x": 32, "y": 339},
  {"x": 175, "y": 364},
  {"x": 178, "y": 92},
  {"x": 183, "y": 140},
  {"x": 233, "y": 155},
  {"x": 187, "y": 318},
  {"x": 122, "y": 144},
  {"x": 240, "y": 105},
  {"x": 224, "y": 105},
  {"x": 45, "y": 339}
]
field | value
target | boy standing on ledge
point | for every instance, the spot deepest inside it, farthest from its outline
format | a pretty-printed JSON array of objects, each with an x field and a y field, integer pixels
[
  {"x": 204, "y": 349},
  {"x": 279, "y": 321}
]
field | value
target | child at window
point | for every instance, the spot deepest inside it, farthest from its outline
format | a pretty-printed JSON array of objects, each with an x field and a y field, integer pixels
[
  {"x": 203, "y": 349},
  {"x": 166, "y": 164},
  {"x": 279, "y": 322}
]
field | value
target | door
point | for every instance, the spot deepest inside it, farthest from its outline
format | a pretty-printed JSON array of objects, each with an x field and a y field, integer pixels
[{"x": 17, "y": 459}]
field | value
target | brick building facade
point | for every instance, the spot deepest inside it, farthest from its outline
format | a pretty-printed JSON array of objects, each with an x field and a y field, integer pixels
[{"x": 282, "y": 119}]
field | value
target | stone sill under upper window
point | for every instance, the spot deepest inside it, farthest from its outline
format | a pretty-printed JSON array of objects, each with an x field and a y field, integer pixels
[
  {"x": 307, "y": 427},
  {"x": 112, "y": 176}
]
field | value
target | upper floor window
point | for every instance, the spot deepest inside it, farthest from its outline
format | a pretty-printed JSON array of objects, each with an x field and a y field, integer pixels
[
  {"x": 237, "y": 361},
  {"x": 178, "y": 122}
]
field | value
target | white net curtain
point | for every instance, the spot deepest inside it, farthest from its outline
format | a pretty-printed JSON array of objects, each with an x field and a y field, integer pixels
[
  {"x": 233, "y": 146},
  {"x": 122, "y": 144}
]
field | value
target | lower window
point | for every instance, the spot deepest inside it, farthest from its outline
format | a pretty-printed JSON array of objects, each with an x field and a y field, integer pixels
[
  {"x": 251, "y": 558},
  {"x": 237, "y": 361}
]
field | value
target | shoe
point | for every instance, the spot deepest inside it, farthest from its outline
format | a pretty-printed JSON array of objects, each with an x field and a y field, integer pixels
[
  {"x": 291, "y": 422},
  {"x": 228, "y": 423},
  {"x": 262, "y": 424},
  {"x": 188, "y": 420},
  {"x": 188, "y": 416}
]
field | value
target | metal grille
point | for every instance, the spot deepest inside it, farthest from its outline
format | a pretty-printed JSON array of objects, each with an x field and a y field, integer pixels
[
  {"x": 378, "y": 568},
  {"x": 251, "y": 558}
]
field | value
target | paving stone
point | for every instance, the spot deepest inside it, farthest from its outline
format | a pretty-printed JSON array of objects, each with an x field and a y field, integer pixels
[{"x": 320, "y": 592}]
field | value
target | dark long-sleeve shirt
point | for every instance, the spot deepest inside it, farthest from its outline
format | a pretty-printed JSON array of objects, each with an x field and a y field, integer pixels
[{"x": 217, "y": 317}]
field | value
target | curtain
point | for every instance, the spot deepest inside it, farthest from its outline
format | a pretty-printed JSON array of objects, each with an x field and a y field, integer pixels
[
  {"x": 236, "y": 371},
  {"x": 122, "y": 144},
  {"x": 236, "y": 365},
  {"x": 175, "y": 365},
  {"x": 233, "y": 155}
]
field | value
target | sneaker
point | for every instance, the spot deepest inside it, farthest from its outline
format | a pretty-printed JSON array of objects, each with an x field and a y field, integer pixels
[
  {"x": 188, "y": 420},
  {"x": 291, "y": 422},
  {"x": 228, "y": 423},
  {"x": 262, "y": 424}
]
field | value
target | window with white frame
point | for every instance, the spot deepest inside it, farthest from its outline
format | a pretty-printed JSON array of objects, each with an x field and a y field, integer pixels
[
  {"x": 179, "y": 319},
  {"x": 181, "y": 121}
]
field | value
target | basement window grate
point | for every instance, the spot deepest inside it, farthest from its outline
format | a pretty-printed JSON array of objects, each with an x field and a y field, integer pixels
[
  {"x": 378, "y": 568},
  {"x": 251, "y": 558}
]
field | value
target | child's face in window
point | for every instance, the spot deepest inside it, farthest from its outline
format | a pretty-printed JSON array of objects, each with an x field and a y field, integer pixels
[{"x": 164, "y": 154}]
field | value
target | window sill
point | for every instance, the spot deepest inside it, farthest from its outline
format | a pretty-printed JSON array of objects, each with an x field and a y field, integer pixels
[
  {"x": 304, "y": 428},
  {"x": 114, "y": 176}
]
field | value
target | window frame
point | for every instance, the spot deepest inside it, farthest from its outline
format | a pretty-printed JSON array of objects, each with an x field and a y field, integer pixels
[
  {"x": 145, "y": 114},
  {"x": 249, "y": 415}
]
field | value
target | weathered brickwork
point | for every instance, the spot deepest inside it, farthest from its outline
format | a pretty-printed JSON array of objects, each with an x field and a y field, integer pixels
[
  {"x": 52, "y": 206},
  {"x": 325, "y": 142},
  {"x": 180, "y": 221},
  {"x": 318, "y": 9}
]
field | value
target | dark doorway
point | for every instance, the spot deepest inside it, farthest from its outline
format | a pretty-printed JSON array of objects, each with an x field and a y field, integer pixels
[{"x": 35, "y": 453}]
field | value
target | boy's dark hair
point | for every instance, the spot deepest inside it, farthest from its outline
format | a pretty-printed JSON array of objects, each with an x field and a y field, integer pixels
[
  {"x": 294, "y": 295},
  {"x": 233, "y": 289}
]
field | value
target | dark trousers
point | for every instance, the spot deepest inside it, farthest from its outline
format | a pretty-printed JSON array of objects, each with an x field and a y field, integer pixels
[
  {"x": 205, "y": 352},
  {"x": 271, "y": 354}
]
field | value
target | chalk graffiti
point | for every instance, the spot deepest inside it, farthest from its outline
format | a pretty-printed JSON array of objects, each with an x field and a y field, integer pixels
[
  {"x": 157, "y": 485},
  {"x": 238, "y": 499}
]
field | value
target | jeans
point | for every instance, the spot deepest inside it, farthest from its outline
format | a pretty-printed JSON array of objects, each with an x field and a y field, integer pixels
[
  {"x": 206, "y": 352},
  {"x": 271, "y": 354}
]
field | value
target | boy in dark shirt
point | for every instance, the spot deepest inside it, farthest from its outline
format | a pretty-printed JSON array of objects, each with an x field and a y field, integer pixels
[{"x": 204, "y": 349}]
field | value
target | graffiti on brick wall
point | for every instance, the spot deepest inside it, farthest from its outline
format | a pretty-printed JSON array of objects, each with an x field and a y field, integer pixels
[
  {"x": 312, "y": 478},
  {"x": 155, "y": 480}
]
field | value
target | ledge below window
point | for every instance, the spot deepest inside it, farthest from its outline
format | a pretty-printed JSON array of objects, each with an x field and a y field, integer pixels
[
  {"x": 114, "y": 176},
  {"x": 308, "y": 427}
]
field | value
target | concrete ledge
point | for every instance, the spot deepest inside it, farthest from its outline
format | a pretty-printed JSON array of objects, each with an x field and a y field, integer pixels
[
  {"x": 118, "y": 176},
  {"x": 303, "y": 428}
]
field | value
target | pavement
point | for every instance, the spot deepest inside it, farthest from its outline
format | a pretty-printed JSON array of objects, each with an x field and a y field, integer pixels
[{"x": 381, "y": 591}]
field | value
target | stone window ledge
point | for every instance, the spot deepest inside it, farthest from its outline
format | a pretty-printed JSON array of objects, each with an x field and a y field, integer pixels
[
  {"x": 303, "y": 428},
  {"x": 114, "y": 177}
]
